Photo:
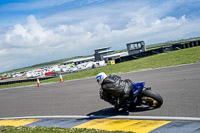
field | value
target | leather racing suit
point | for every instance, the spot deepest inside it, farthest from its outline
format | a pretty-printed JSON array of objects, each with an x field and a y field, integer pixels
[{"x": 115, "y": 86}]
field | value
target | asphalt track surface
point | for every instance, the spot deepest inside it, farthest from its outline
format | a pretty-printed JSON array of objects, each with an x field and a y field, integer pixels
[{"x": 179, "y": 86}]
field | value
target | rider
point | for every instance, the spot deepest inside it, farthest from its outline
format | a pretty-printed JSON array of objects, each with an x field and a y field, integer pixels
[{"x": 114, "y": 85}]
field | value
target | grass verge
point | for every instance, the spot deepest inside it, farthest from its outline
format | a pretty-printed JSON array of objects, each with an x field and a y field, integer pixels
[
  {"x": 8, "y": 129},
  {"x": 179, "y": 57}
]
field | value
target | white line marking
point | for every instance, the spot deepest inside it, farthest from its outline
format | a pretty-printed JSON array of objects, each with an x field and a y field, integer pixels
[{"x": 109, "y": 117}]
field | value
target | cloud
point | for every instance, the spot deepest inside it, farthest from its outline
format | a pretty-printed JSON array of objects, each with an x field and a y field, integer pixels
[
  {"x": 31, "y": 5},
  {"x": 3, "y": 52},
  {"x": 31, "y": 34},
  {"x": 79, "y": 32}
]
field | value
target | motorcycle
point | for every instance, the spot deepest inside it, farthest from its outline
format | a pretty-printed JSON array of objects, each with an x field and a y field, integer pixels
[{"x": 140, "y": 96}]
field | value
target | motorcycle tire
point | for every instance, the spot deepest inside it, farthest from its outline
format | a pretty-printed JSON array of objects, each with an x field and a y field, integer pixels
[{"x": 151, "y": 98}]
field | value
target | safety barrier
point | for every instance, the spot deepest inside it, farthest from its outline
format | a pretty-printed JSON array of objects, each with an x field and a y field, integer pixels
[
  {"x": 24, "y": 80},
  {"x": 160, "y": 50}
]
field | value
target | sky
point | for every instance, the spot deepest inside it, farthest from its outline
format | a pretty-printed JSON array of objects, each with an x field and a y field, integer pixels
[{"x": 37, "y": 31}]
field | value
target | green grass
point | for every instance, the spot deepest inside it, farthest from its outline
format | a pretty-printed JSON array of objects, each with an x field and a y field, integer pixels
[
  {"x": 184, "y": 56},
  {"x": 8, "y": 129},
  {"x": 17, "y": 85}
]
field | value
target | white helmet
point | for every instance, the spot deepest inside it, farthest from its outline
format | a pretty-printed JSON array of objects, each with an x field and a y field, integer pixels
[{"x": 100, "y": 77}]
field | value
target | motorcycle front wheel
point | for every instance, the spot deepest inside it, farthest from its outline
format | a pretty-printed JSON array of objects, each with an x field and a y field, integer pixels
[{"x": 151, "y": 98}]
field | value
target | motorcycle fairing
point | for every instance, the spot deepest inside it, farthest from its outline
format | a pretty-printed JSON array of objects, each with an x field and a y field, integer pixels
[{"x": 137, "y": 88}]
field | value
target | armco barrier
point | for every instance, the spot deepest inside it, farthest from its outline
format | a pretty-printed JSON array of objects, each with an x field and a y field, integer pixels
[{"x": 24, "y": 80}]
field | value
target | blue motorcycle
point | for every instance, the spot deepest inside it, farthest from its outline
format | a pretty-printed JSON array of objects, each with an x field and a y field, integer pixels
[{"x": 140, "y": 95}]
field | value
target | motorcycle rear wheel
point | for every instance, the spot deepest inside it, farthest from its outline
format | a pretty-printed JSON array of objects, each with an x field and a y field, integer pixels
[{"x": 151, "y": 98}]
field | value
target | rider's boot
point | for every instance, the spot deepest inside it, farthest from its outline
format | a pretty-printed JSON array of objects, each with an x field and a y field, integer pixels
[{"x": 121, "y": 103}]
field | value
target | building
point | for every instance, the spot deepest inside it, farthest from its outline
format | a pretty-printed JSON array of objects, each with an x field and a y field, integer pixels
[
  {"x": 79, "y": 61},
  {"x": 101, "y": 52},
  {"x": 115, "y": 56},
  {"x": 136, "y": 47}
]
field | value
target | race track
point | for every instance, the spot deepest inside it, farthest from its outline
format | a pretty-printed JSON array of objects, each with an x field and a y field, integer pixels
[{"x": 179, "y": 86}]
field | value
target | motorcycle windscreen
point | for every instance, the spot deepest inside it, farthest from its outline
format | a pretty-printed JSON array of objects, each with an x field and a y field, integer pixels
[{"x": 137, "y": 88}]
